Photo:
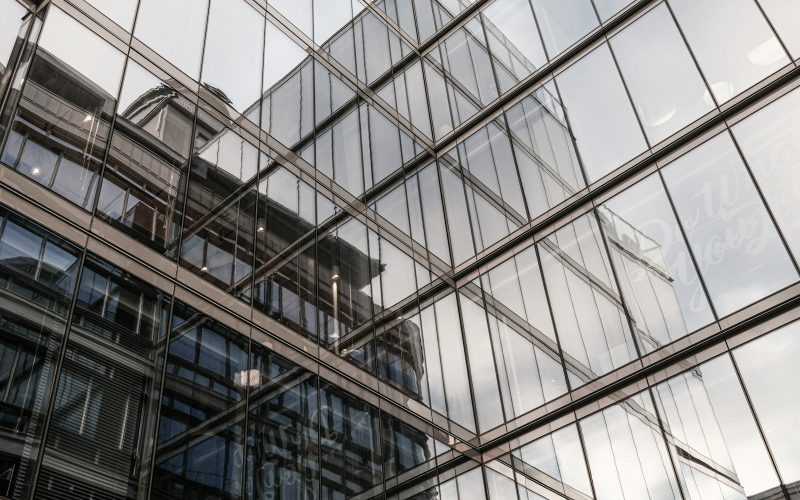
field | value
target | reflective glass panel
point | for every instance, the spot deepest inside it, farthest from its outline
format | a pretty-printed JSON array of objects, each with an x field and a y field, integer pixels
[
  {"x": 739, "y": 253},
  {"x": 181, "y": 43},
  {"x": 606, "y": 130},
  {"x": 200, "y": 446},
  {"x": 770, "y": 143},
  {"x": 607, "y": 8},
  {"x": 589, "y": 316},
  {"x": 107, "y": 394},
  {"x": 147, "y": 159},
  {"x": 667, "y": 91},
  {"x": 121, "y": 12},
  {"x": 626, "y": 452},
  {"x": 731, "y": 59},
  {"x": 659, "y": 281},
  {"x": 557, "y": 460},
  {"x": 782, "y": 14},
  {"x": 563, "y": 22},
  {"x": 514, "y": 41},
  {"x": 59, "y": 135},
  {"x": 234, "y": 53},
  {"x": 767, "y": 365},
  {"x": 38, "y": 273},
  {"x": 713, "y": 437}
]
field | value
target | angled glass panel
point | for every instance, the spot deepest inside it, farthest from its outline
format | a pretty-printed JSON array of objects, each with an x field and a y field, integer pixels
[
  {"x": 626, "y": 452},
  {"x": 179, "y": 43},
  {"x": 60, "y": 132},
  {"x": 282, "y": 429},
  {"x": 606, "y": 130},
  {"x": 657, "y": 275},
  {"x": 297, "y": 12},
  {"x": 465, "y": 65},
  {"x": 38, "y": 273},
  {"x": 557, "y": 461},
  {"x": 714, "y": 440},
  {"x": 121, "y": 12},
  {"x": 514, "y": 42},
  {"x": 350, "y": 444},
  {"x": 667, "y": 91},
  {"x": 14, "y": 28},
  {"x": 12, "y": 15},
  {"x": 200, "y": 445},
  {"x": 740, "y": 255},
  {"x": 103, "y": 418},
  {"x": 219, "y": 221},
  {"x": 483, "y": 369},
  {"x": 366, "y": 47},
  {"x": 731, "y": 59},
  {"x": 766, "y": 365},
  {"x": 607, "y": 8},
  {"x": 486, "y": 158},
  {"x": 589, "y": 316},
  {"x": 477, "y": 217},
  {"x": 770, "y": 143},
  {"x": 147, "y": 159},
  {"x": 544, "y": 150},
  {"x": 563, "y": 22},
  {"x": 406, "y": 448},
  {"x": 233, "y": 53},
  {"x": 782, "y": 13},
  {"x": 406, "y": 93}
]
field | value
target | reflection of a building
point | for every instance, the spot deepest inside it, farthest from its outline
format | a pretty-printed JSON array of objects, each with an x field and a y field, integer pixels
[{"x": 241, "y": 236}]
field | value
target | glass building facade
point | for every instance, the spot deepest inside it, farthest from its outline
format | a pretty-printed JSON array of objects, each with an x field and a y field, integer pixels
[{"x": 400, "y": 249}]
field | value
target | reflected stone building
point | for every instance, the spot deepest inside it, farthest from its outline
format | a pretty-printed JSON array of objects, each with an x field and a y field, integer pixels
[{"x": 428, "y": 249}]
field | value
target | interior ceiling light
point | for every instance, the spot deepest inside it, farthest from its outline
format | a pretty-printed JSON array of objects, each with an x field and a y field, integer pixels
[
  {"x": 766, "y": 54},
  {"x": 723, "y": 91}
]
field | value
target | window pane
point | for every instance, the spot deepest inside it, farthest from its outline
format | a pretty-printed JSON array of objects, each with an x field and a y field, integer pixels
[
  {"x": 739, "y": 253},
  {"x": 708, "y": 421},
  {"x": 233, "y": 53},
  {"x": 180, "y": 43},
  {"x": 62, "y": 122},
  {"x": 658, "y": 278},
  {"x": 148, "y": 155},
  {"x": 734, "y": 45},
  {"x": 783, "y": 14},
  {"x": 607, "y": 8},
  {"x": 770, "y": 142},
  {"x": 767, "y": 365},
  {"x": 513, "y": 39},
  {"x": 626, "y": 452},
  {"x": 563, "y": 22},
  {"x": 119, "y": 11},
  {"x": 37, "y": 282},
  {"x": 606, "y": 130},
  {"x": 667, "y": 91},
  {"x": 558, "y": 455},
  {"x": 589, "y": 316},
  {"x": 104, "y": 407}
]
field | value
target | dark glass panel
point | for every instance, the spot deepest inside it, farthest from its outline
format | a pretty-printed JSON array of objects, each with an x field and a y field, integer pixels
[
  {"x": 283, "y": 438},
  {"x": 200, "y": 447},
  {"x": 37, "y": 279},
  {"x": 104, "y": 416},
  {"x": 350, "y": 446}
]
